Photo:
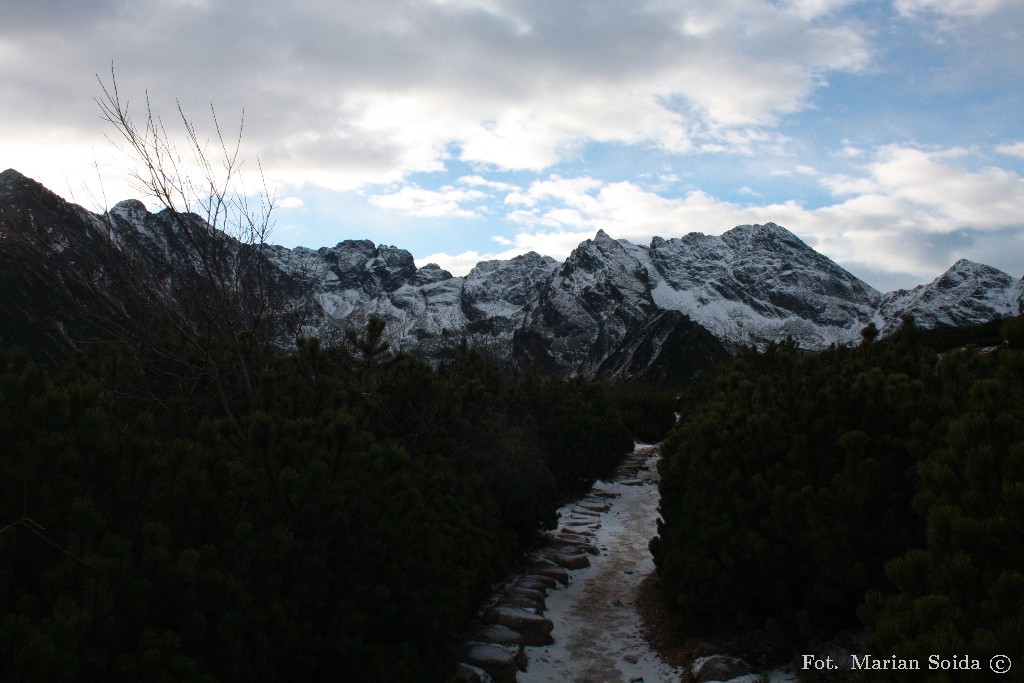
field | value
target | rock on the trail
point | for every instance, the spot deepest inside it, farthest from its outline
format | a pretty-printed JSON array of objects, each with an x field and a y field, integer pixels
[
  {"x": 527, "y": 598},
  {"x": 563, "y": 559},
  {"x": 550, "y": 570},
  {"x": 495, "y": 633},
  {"x": 536, "y": 581},
  {"x": 589, "y": 524},
  {"x": 500, "y": 661},
  {"x": 467, "y": 673},
  {"x": 502, "y": 635},
  {"x": 536, "y": 629},
  {"x": 574, "y": 535},
  {"x": 718, "y": 668},
  {"x": 571, "y": 544}
]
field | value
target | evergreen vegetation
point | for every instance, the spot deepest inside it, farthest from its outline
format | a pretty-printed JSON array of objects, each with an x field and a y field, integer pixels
[
  {"x": 340, "y": 522},
  {"x": 878, "y": 487}
]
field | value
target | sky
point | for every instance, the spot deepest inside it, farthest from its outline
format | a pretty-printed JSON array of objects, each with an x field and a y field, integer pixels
[{"x": 887, "y": 134}]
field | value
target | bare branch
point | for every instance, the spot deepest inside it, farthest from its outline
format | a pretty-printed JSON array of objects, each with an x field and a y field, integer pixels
[{"x": 231, "y": 306}]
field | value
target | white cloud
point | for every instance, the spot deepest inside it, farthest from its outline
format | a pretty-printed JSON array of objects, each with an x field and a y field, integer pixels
[
  {"x": 572, "y": 191},
  {"x": 898, "y": 217},
  {"x": 1014, "y": 149},
  {"x": 558, "y": 242},
  {"x": 361, "y": 93},
  {"x": 463, "y": 262},
  {"x": 964, "y": 8},
  {"x": 447, "y": 202},
  {"x": 945, "y": 198},
  {"x": 289, "y": 203},
  {"x": 563, "y": 209},
  {"x": 480, "y": 181},
  {"x": 815, "y": 8},
  {"x": 848, "y": 185}
]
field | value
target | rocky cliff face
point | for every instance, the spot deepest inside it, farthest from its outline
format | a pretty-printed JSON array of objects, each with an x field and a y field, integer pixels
[
  {"x": 759, "y": 283},
  {"x": 965, "y": 294},
  {"x": 613, "y": 309}
]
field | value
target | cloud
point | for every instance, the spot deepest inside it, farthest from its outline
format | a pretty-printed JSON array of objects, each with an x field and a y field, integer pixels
[
  {"x": 1015, "y": 149},
  {"x": 384, "y": 100},
  {"x": 907, "y": 211},
  {"x": 942, "y": 197},
  {"x": 449, "y": 202},
  {"x": 562, "y": 210},
  {"x": 572, "y": 191},
  {"x": 462, "y": 263},
  {"x": 360, "y": 93},
  {"x": 810, "y": 9},
  {"x": 955, "y": 8},
  {"x": 480, "y": 181},
  {"x": 289, "y": 203}
]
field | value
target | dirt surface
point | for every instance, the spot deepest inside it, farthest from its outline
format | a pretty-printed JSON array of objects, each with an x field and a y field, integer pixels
[{"x": 660, "y": 629}]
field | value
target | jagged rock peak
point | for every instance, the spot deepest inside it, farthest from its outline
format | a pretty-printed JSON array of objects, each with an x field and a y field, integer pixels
[
  {"x": 767, "y": 233},
  {"x": 12, "y": 181},
  {"x": 602, "y": 243},
  {"x": 973, "y": 267},
  {"x": 130, "y": 205},
  {"x": 967, "y": 293},
  {"x": 602, "y": 254},
  {"x": 353, "y": 245},
  {"x": 965, "y": 272},
  {"x": 130, "y": 208},
  {"x": 11, "y": 176}
]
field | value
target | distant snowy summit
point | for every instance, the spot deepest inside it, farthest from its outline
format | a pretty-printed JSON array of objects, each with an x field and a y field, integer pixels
[
  {"x": 611, "y": 304},
  {"x": 612, "y": 309}
]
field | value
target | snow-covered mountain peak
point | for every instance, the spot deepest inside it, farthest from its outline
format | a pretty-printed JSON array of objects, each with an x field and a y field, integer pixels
[
  {"x": 132, "y": 214},
  {"x": 764, "y": 232},
  {"x": 611, "y": 309},
  {"x": 129, "y": 207},
  {"x": 964, "y": 270},
  {"x": 965, "y": 294}
]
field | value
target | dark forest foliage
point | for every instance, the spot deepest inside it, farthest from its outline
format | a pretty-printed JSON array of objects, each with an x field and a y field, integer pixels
[
  {"x": 341, "y": 526},
  {"x": 879, "y": 486}
]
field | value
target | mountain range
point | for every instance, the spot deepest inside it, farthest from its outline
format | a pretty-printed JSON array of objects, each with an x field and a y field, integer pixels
[{"x": 612, "y": 309}]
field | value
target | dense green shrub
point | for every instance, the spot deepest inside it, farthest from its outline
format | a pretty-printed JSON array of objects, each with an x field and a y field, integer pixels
[
  {"x": 341, "y": 525},
  {"x": 649, "y": 412},
  {"x": 800, "y": 483},
  {"x": 582, "y": 434},
  {"x": 961, "y": 590}
]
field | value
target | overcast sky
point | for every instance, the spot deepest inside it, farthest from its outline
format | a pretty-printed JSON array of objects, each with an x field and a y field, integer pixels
[{"x": 887, "y": 134}]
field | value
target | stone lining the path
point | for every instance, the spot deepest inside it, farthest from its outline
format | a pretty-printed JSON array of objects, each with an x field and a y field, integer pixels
[{"x": 495, "y": 648}]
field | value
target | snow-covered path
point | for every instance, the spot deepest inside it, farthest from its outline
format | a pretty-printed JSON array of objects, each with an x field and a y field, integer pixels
[{"x": 597, "y": 630}]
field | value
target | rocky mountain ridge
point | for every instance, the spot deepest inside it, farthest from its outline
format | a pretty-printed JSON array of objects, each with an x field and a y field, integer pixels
[{"x": 612, "y": 309}]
